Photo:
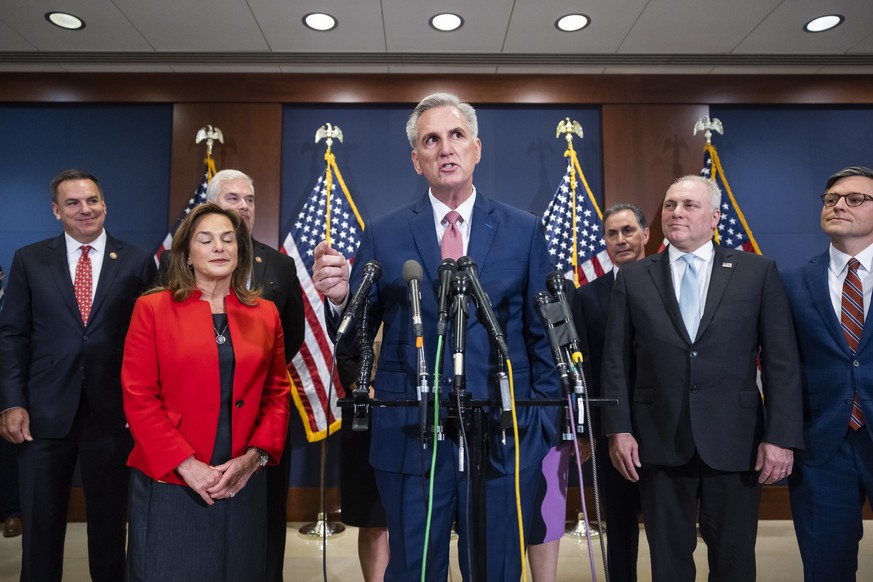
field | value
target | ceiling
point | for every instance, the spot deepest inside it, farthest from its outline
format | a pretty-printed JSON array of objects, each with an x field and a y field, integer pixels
[{"x": 393, "y": 36}]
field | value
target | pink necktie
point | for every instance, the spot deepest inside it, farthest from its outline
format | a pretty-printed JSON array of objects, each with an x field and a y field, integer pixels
[
  {"x": 452, "y": 246},
  {"x": 852, "y": 322},
  {"x": 82, "y": 283}
]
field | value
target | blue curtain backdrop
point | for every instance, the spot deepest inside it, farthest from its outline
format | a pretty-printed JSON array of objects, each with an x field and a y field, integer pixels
[
  {"x": 127, "y": 147},
  {"x": 777, "y": 161}
]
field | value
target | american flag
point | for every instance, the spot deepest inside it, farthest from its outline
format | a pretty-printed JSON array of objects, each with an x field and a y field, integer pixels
[
  {"x": 590, "y": 248},
  {"x": 733, "y": 230},
  {"x": 310, "y": 368},
  {"x": 197, "y": 199}
]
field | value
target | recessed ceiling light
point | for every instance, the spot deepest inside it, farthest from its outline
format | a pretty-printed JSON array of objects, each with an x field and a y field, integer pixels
[
  {"x": 319, "y": 21},
  {"x": 823, "y": 23},
  {"x": 446, "y": 22},
  {"x": 572, "y": 22},
  {"x": 64, "y": 20}
]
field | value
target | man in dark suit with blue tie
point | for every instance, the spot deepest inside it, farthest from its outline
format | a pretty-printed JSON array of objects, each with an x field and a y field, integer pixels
[
  {"x": 626, "y": 233},
  {"x": 68, "y": 306},
  {"x": 508, "y": 246},
  {"x": 830, "y": 297},
  {"x": 684, "y": 333}
]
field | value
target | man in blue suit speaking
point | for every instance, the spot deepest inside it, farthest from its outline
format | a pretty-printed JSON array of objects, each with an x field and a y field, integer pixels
[
  {"x": 830, "y": 297},
  {"x": 453, "y": 219}
]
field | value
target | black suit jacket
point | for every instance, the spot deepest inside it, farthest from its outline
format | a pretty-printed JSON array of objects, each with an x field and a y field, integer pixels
[
  {"x": 590, "y": 310},
  {"x": 47, "y": 355},
  {"x": 700, "y": 394},
  {"x": 276, "y": 274}
]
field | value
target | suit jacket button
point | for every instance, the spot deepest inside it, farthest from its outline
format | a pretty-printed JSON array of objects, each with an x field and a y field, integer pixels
[
  {"x": 85, "y": 338},
  {"x": 694, "y": 389},
  {"x": 239, "y": 403},
  {"x": 693, "y": 354},
  {"x": 856, "y": 363}
]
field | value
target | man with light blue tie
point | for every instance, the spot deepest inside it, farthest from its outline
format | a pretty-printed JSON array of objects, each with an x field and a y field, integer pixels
[
  {"x": 684, "y": 333},
  {"x": 830, "y": 297}
]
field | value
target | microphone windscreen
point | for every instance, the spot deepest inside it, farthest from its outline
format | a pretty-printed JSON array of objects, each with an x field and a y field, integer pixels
[{"x": 411, "y": 271}]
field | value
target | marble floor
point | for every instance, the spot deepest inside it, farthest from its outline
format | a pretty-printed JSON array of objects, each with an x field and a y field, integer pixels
[{"x": 778, "y": 557}]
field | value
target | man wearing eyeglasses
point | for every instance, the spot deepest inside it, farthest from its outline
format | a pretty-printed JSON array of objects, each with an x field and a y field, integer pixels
[{"x": 830, "y": 297}]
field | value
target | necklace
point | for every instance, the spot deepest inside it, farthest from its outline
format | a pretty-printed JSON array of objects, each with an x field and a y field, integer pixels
[{"x": 219, "y": 337}]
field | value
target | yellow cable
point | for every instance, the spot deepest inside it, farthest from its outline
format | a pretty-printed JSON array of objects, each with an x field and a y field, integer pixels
[{"x": 517, "y": 463}]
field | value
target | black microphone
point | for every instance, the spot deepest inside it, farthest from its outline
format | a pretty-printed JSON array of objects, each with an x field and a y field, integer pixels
[
  {"x": 447, "y": 270},
  {"x": 460, "y": 291},
  {"x": 555, "y": 283},
  {"x": 372, "y": 272},
  {"x": 412, "y": 276},
  {"x": 553, "y": 321},
  {"x": 552, "y": 316},
  {"x": 483, "y": 302}
]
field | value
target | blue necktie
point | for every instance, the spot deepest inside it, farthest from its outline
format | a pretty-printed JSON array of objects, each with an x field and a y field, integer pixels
[{"x": 689, "y": 296}]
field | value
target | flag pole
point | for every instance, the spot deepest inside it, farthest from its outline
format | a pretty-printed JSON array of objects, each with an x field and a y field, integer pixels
[
  {"x": 322, "y": 528},
  {"x": 708, "y": 125}
]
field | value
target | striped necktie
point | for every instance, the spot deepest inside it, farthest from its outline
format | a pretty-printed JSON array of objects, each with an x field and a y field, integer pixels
[{"x": 852, "y": 322}]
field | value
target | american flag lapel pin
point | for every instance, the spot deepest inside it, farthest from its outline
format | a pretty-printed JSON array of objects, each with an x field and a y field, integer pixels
[{"x": 727, "y": 265}]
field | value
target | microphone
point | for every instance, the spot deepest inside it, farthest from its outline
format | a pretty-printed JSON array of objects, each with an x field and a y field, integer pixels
[
  {"x": 553, "y": 321},
  {"x": 460, "y": 290},
  {"x": 412, "y": 276},
  {"x": 483, "y": 302},
  {"x": 447, "y": 270},
  {"x": 372, "y": 272},
  {"x": 555, "y": 284}
]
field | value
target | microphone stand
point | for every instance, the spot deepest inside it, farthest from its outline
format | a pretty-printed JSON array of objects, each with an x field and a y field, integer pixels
[{"x": 361, "y": 393}]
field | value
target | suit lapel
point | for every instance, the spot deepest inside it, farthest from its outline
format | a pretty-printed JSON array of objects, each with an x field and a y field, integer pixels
[
  {"x": 815, "y": 277},
  {"x": 421, "y": 226},
  {"x": 112, "y": 256},
  {"x": 259, "y": 267},
  {"x": 483, "y": 229},
  {"x": 722, "y": 270},
  {"x": 604, "y": 291},
  {"x": 60, "y": 270}
]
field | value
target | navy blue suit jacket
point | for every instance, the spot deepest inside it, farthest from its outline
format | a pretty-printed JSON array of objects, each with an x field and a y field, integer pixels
[
  {"x": 830, "y": 373},
  {"x": 47, "y": 354},
  {"x": 508, "y": 247}
]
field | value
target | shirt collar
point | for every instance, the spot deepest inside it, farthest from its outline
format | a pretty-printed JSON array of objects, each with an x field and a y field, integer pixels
[
  {"x": 465, "y": 209},
  {"x": 704, "y": 252},
  {"x": 98, "y": 244},
  {"x": 839, "y": 260}
]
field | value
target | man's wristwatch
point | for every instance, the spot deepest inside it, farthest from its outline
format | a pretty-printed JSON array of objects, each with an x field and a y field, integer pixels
[{"x": 264, "y": 457}]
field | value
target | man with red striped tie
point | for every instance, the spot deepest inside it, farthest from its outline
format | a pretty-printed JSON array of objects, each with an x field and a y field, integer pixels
[{"x": 830, "y": 297}]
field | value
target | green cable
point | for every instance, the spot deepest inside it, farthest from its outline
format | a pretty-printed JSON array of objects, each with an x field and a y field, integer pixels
[{"x": 436, "y": 418}]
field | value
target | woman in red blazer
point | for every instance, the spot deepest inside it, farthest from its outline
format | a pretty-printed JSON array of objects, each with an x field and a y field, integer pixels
[{"x": 206, "y": 397}]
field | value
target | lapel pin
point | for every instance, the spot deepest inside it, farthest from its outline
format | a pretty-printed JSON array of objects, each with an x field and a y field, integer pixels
[
  {"x": 259, "y": 260},
  {"x": 113, "y": 255},
  {"x": 727, "y": 265}
]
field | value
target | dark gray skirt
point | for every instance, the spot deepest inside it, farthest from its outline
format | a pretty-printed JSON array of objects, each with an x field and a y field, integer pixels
[{"x": 174, "y": 535}]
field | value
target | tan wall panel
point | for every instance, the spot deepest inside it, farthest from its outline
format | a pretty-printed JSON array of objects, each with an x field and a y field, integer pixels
[{"x": 252, "y": 144}]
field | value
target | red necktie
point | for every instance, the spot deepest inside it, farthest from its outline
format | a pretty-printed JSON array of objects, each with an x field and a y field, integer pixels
[
  {"x": 82, "y": 284},
  {"x": 852, "y": 322},
  {"x": 452, "y": 246}
]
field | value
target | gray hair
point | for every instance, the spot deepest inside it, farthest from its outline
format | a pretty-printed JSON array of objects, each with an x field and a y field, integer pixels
[
  {"x": 214, "y": 187},
  {"x": 637, "y": 212},
  {"x": 440, "y": 100},
  {"x": 711, "y": 187},
  {"x": 850, "y": 172}
]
